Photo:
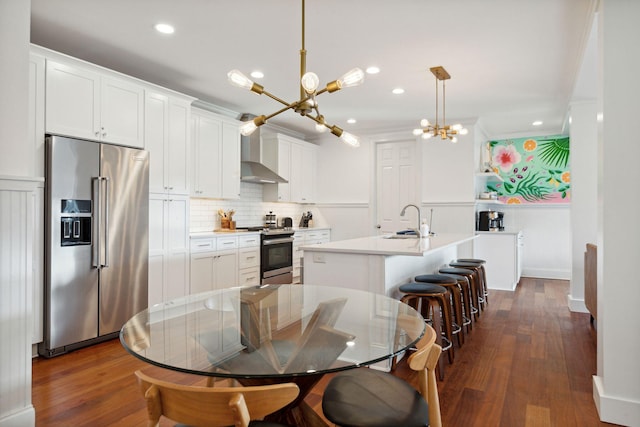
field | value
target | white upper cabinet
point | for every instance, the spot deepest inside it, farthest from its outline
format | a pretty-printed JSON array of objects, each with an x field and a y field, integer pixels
[
  {"x": 215, "y": 156},
  {"x": 167, "y": 140},
  {"x": 85, "y": 103},
  {"x": 230, "y": 160},
  {"x": 294, "y": 160}
]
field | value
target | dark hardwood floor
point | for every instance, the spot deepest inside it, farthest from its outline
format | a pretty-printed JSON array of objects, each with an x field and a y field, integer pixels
[{"x": 528, "y": 362}]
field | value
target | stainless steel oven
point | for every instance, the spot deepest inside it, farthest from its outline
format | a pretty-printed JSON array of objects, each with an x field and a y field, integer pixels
[{"x": 276, "y": 257}]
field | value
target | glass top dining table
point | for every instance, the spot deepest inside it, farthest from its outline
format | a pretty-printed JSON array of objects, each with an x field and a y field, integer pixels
[{"x": 274, "y": 334}]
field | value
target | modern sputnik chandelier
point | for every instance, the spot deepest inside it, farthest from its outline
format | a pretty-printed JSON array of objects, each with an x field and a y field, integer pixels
[
  {"x": 306, "y": 106},
  {"x": 443, "y": 130}
]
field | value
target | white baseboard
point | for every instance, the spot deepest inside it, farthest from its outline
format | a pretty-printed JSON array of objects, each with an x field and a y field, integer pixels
[
  {"x": 24, "y": 418},
  {"x": 615, "y": 410},
  {"x": 576, "y": 305},
  {"x": 542, "y": 273}
]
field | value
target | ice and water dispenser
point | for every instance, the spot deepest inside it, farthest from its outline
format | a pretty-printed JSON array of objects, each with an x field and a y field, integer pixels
[{"x": 75, "y": 222}]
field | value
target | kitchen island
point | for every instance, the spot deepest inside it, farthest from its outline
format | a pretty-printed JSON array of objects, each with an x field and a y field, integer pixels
[{"x": 379, "y": 264}]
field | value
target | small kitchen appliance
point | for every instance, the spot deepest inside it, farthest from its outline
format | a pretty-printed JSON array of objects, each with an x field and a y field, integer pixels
[
  {"x": 490, "y": 221},
  {"x": 270, "y": 220},
  {"x": 286, "y": 223}
]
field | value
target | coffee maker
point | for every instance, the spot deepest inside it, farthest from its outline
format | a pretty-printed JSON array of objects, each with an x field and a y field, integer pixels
[{"x": 490, "y": 221}]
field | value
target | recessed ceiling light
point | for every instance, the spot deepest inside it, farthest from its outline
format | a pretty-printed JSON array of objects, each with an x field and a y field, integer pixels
[
  {"x": 398, "y": 91},
  {"x": 351, "y": 121},
  {"x": 537, "y": 123},
  {"x": 373, "y": 70},
  {"x": 164, "y": 28},
  {"x": 257, "y": 74}
]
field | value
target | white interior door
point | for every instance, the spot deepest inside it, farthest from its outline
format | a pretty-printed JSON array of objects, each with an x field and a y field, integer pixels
[{"x": 396, "y": 185}]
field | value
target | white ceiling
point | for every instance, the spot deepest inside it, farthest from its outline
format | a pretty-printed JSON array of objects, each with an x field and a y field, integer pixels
[{"x": 511, "y": 61}]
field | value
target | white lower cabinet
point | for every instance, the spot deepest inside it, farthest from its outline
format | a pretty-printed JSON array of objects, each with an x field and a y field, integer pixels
[
  {"x": 309, "y": 236},
  {"x": 249, "y": 260},
  {"x": 168, "y": 247},
  {"x": 502, "y": 252},
  {"x": 214, "y": 263}
]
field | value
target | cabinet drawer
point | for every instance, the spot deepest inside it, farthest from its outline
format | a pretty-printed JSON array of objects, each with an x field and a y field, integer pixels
[
  {"x": 249, "y": 257},
  {"x": 251, "y": 240},
  {"x": 203, "y": 245},
  {"x": 226, "y": 243},
  {"x": 250, "y": 277}
]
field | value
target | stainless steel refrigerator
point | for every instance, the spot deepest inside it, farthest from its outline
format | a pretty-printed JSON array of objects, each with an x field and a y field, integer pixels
[{"x": 96, "y": 242}]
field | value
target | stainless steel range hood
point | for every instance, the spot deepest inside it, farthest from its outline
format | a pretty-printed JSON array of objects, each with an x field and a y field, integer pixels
[{"x": 251, "y": 167}]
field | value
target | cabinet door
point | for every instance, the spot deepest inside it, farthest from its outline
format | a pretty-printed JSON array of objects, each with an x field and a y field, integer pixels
[
  {"x": 226, "y": 270},
  {"x": 36, "y": 114},
  {"x": 156, "y": 139},
  {"x": 230, "y": 161},
  {"x": 176, "y": 273},
  {"x": 157, "y": 224},
  {"x": 122, "y": 112},
  {"x": 156, "y": 279},
  {"x": 284, "y": 170},
  {"x": 178, "y": 151},
  {"x": 208, "y": 157},
  {"x": 296, "y": 170},
  {"x": 202, "y": 268},
  {"x": 178, "y": 223},
  {"x": 308, "y": 174},
  {"x": 72, "y": 101}
]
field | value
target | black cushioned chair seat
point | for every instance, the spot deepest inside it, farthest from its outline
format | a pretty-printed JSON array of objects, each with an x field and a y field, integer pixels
[
  {"x": 368, "y": 398},
  {"x": 464, "y": 264},
  {"x": 422, "y": 288},
  {"x": 435, "y": 279},
  {"x": 474, "y": 260},
  {"x": 456, "y": 270}
]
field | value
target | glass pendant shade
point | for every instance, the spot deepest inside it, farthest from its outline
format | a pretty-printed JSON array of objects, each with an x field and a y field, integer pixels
[
  {"x": 351, "y": 78},
  {"x": 238, "y": 79},
  {"x": 350, "y": 139},
  {"x": 310, "y": 82},
  {"x": 248, "y": 128},
  {"x": 424, "y": 123}
]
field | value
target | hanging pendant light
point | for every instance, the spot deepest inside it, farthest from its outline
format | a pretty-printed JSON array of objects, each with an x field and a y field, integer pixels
[
  {"x": 442, "y": 130},
  {"x": 305, "y": 106}
]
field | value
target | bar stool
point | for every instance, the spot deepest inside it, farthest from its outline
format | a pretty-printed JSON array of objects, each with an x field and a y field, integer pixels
[
  {"x": 480, "y": 285},
  {"x": 456, "y": 300},
  {"x": 436, "y": 296},
  {"x": 471, "y": 289},
  {"x": 483, "y": 269},
  {"x": 465, "y": 292}
]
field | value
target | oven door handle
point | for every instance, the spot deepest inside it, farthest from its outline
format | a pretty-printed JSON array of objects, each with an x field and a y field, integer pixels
[{"x": 268, "y": 242}]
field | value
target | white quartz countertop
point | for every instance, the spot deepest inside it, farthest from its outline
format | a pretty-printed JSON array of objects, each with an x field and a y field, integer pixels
[
  {"x": 219, "y": 233},
  {"x": 381, "y": 245},
  {"x": 507, "y": 231}
]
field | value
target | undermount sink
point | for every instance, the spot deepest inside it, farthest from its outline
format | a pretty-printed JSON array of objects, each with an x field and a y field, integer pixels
[{"x": 400, "y": 236}]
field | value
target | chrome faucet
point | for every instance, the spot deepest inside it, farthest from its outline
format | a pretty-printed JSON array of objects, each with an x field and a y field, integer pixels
[{"x": 404, "y": 210}]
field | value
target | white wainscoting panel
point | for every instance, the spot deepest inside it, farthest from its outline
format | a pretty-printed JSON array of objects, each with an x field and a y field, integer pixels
[{"x": 16, "y": 281}]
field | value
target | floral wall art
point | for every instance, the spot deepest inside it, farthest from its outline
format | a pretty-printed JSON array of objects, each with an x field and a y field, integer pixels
[{"x": 533, "y": 170}]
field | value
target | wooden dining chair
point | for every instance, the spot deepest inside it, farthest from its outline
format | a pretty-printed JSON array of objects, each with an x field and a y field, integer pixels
[
  {"x": 366, "y": 397},
  {"x": 217, "y": 406}
]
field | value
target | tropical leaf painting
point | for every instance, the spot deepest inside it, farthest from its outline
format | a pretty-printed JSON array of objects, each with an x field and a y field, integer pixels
[{"x": 533, "y": 170}]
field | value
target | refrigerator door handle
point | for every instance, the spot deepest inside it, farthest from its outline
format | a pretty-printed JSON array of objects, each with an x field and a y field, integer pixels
[
  {"x": 106, "y": 222},
  {"x": 95, "y": 253}
]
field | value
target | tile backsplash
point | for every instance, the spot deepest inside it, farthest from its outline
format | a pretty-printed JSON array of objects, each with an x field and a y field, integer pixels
[{"x": 250, "y": 210}]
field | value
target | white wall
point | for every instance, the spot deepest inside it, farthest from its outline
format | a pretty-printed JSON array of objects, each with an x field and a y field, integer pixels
[
  {"x": 14, "y": 87},
  {"x": 617, "y": 384},
  {"x": 584, "y": 164},
  {"x": 16, "y": 159}
]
